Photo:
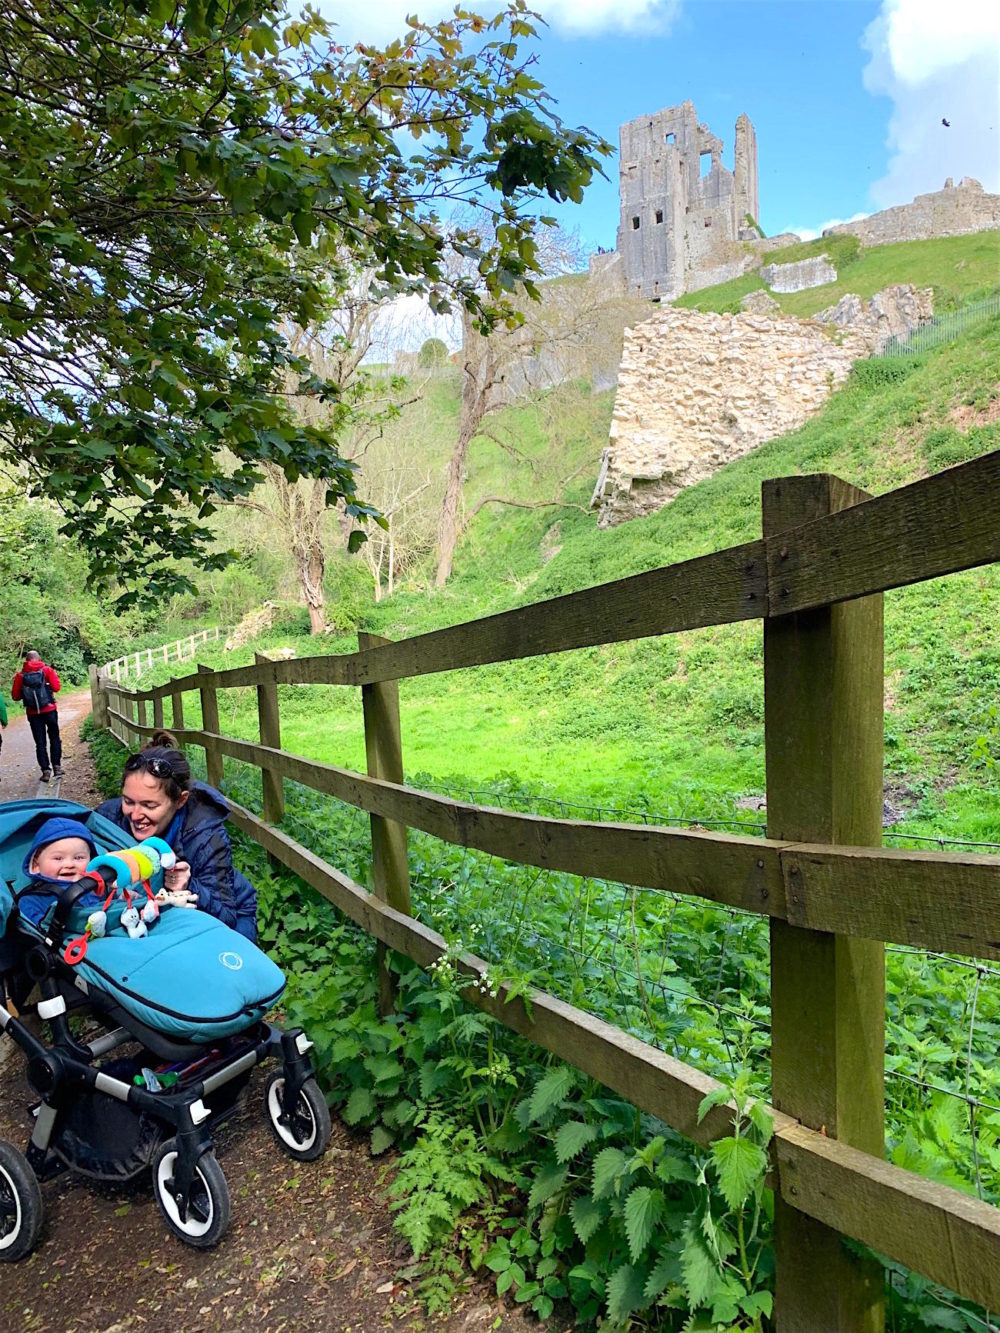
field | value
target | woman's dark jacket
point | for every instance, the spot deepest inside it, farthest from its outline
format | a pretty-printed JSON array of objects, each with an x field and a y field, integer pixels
[{"x": 197, "y": 836}]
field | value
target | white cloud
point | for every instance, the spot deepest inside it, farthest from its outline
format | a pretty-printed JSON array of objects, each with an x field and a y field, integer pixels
[
  {"x": 937, "y": 62},
  {"x": 380, "y": 21},
  {"x": 811, "y": 233}
]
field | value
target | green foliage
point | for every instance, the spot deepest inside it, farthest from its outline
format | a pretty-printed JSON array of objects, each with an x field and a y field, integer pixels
[
  {"x": 433, "y": 353},
  {"x": 189, "y": 178}
]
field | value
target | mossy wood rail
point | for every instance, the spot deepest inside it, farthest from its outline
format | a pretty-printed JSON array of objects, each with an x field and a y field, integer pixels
[{"x": 832, "y": 894}]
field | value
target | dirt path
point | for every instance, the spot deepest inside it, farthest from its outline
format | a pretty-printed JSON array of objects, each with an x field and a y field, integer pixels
[
  {"x": 311, "y": 1245},
  {"x": 19, "y": 767}
]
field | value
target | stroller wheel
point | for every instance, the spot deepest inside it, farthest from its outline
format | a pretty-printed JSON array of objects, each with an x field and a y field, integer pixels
[
  {"x": 21, "y": 1209},
  {"x": 303, "y": 1130},
  {"x": 208, "y": 1207}
]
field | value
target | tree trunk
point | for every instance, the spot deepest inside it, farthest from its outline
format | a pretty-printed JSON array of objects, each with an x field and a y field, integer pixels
[
  {"x": 311, "y": 565},
  {"x": 448, "y": 522}
]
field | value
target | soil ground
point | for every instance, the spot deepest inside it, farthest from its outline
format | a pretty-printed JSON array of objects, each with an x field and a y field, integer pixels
[{"x": 311, "y": 1245}]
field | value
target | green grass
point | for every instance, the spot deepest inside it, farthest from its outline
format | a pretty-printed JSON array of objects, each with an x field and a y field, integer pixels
[
  {"x": 958, "y": 268},
  {"x": 676, "y": 724}
]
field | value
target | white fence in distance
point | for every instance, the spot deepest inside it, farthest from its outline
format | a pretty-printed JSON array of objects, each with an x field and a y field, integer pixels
[{"x": 132, "y": 665}]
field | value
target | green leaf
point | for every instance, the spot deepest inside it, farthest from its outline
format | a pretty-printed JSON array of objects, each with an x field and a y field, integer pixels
[
  {"x": 717, "y": 1097},
  {"x": 666, "y": 1271},
  {"x": 625, "y": 1291},
  {"x": 701, "y": 1276},
  {"x": 643, "y": 1209},
  {"x": 360, "y": 1105},
  {"x": 381, "y": 1140},
  {"x": 587, "y": 1215},
  {"x": 572, "y": 1137},
  {"x": 741, "y": 1165},
  {"x": 550, "y": 1090},
  {"x": 549, "y": 1181},
  {"x": 757, "y": 1302},
  {"x": 609, "y": 1164}
]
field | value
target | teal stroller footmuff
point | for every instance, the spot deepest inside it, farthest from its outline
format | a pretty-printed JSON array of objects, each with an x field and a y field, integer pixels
[{"x": 191, "y": 977}]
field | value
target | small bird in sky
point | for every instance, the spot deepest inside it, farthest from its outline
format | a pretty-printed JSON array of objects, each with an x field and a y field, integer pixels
[{"x": 946, "y": 123}]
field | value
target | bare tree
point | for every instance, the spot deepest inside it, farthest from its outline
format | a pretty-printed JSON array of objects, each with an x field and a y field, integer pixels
[
  {"x": 556, "y": 339},
  {"x": 298, "y": 509}
]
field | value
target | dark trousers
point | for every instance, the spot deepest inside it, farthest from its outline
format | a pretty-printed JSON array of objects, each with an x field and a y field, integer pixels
[{"x": 46, "y": 725}]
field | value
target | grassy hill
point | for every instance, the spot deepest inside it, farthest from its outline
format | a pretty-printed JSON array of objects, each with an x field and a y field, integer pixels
[
  {"x": 676, "y": 724},
  {"x": 959, "y": 268}
]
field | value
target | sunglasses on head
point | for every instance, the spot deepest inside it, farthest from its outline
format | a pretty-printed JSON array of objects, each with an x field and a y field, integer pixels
[{"x": 160, "y": 768}]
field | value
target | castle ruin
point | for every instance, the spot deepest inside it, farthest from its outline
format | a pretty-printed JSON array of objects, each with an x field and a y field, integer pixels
[{"x": 683, "y": 213}]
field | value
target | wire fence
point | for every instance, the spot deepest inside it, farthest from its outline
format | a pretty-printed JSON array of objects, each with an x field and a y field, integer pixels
[{"x": 942, "y": 328}]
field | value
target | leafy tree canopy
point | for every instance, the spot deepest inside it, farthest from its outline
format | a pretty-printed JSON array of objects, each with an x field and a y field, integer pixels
[
  {"x": 433, "y": 352},
  {"x": 180, "y": 178}
]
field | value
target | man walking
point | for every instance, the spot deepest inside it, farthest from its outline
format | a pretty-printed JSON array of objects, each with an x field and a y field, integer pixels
[{"x": 36, "y": 685}]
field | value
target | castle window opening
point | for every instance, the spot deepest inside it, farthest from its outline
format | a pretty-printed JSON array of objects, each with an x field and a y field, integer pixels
[
  {"x": 659, "y": 215},
  {"x": 635, "y": 224},
  {"x": 671, "y": 138},
  {"x": 705, "y": 162}
]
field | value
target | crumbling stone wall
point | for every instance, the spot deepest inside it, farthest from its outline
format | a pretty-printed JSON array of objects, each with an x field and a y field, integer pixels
[
  {"x": 957, "y": 210},
  {"x": 696, "y": 390},
  {"x": 797, "y": 277}
]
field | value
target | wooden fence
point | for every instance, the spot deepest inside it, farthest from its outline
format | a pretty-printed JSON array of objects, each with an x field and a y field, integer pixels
[
  {"x": 832, "y": 894},
  {"x": 144, "y": 659}
]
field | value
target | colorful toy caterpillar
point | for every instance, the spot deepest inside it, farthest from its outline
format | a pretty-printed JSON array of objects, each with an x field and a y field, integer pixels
[
  {"x": 136, "y": 866},
  {"x": 125, "y": 872}
]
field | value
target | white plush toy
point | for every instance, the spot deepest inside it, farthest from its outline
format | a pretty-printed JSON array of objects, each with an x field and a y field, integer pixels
[{"x": 133, "y": 923}]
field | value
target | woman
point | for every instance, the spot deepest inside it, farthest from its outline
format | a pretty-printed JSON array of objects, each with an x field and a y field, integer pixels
[{"x": 160, "y": 797}]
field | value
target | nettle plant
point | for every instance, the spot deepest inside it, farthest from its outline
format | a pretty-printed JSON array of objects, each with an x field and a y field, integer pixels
[{"x": 622, "y": 1222}]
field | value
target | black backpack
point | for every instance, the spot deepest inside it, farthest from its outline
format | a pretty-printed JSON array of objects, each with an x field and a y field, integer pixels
[{"x": 36, "y": 692}]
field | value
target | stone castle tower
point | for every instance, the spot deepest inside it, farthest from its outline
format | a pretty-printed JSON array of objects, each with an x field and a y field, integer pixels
[{"x": 682, "y": 211}]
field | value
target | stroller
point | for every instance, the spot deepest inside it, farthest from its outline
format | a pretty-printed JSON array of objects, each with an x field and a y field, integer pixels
[{"x": 173, "y": 1026}]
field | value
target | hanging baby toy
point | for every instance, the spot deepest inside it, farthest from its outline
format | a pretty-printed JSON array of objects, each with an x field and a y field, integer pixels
[{"x": 126, "y": 871}]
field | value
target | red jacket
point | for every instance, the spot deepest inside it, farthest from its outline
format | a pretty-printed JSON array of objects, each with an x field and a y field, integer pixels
[{"x": 52, "y": 680}]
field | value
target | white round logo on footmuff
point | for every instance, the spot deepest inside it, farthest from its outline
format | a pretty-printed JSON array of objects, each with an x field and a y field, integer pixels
[{"x": 231, "y": 960}]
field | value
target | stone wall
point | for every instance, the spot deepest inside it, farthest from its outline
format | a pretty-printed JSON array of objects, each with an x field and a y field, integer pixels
[
  {"x": 698, "y": 390},
  {"x": 815, "y": 272},
  {"x": 957, "y": 210}
]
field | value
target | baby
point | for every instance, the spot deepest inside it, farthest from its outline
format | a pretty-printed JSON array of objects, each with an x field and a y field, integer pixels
[{"x": 60, "y": 852}]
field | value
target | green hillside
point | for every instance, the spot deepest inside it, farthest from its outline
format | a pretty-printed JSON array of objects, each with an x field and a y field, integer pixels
[
  {"x": 958, "y": 268},
  {"x": 676, "y": 724}
]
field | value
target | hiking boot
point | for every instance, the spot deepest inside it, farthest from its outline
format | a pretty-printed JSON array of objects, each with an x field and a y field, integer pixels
[
  {"x": 46, "y": 774},
  {"x": 57, "y": 772}
]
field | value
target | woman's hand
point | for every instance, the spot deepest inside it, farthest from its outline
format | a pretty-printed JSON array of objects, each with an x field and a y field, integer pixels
[{"x": 177, "y": 879}]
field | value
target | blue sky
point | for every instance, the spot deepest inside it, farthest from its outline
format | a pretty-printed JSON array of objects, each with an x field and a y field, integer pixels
[{"x": 847, "y": 96}]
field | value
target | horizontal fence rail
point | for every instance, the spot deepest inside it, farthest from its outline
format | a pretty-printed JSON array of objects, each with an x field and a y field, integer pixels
[
  {"x": 938, "y": 526},
  {"x": 873, "y": 893},
  {"x": 832, "y": 895}
]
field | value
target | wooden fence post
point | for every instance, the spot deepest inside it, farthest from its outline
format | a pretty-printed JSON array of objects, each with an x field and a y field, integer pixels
[
  {"x": 384, "y": 751},
  {"x": 158, "y": 712},
  {"x": 98, "y": 697},
  {"x": 210, "y": 722},
  {"x": 269, "y": 721},
  {"x": 177, "y": 715},
  {"x": 823, "y": 717}
]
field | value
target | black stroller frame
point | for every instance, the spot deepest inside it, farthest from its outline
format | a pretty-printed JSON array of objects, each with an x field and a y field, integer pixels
[{"x": 188, "y": 1182}]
